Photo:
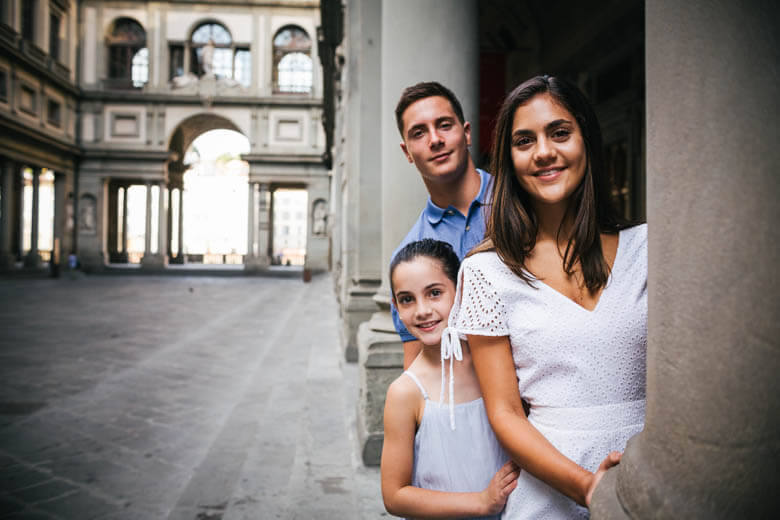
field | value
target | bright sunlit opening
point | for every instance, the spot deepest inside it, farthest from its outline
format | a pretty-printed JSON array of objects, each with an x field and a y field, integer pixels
[{"x": 215, "y": 198}]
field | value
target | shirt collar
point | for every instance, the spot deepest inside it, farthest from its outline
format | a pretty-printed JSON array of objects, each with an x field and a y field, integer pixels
[{"x": 434, "y": 213}]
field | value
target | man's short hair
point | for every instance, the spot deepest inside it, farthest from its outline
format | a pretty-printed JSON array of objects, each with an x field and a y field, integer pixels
[{"x": 424, "y": 90}]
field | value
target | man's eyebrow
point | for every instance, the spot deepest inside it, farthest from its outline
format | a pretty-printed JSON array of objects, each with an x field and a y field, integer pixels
[{"x": 415, "y": 127}]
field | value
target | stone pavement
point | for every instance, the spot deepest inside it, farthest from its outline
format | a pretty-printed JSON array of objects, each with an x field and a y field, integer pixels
[{"x": 127, "y": 397}]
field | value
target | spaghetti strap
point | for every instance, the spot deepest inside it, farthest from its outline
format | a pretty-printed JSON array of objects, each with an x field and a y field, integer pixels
[{"x": 417, "y": 382}]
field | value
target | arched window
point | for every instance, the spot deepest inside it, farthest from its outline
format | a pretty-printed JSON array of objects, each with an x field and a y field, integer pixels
[
  {"x": 128, "y": 57},
  {"x": 292, "y": 61},
  {"x": 211, "y": 50}
]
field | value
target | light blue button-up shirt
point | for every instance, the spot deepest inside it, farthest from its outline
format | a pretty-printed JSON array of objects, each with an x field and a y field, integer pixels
[{"x": 448, "y": 225}]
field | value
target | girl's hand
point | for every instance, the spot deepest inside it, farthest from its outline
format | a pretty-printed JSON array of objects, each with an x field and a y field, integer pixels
[
  {"x": 503, "y": 482},
  {"x": 613, "y": 459}
]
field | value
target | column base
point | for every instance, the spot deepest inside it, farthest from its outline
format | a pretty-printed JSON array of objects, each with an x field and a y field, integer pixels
[
  {"x": 118, "y": 258},
  {"x": 32, "y": 260},
  {"x": 381, "y": 358},
  {"x": 154, "y": 262},
  {"x": 359, "y": 307},
  {"x": 7, "y": 262},
  {"x": 256, "y": 263}
]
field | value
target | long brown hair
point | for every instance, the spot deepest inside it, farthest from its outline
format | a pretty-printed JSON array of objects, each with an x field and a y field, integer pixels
[{"x": 512, "y": 225}]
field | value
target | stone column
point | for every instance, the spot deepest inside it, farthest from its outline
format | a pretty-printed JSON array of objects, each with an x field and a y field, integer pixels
[
  {"x": 33, "y": 259},
  {"x": 7, "y": 218},
  {"x": 148, "y": 221},
  {"x": 124, "y": 221},
  {"x": 59, "y": 254},
  {"x": 181, "y": 224},
  {"x": 453, "y": 61},
  {"x": 250, "y": 217},
  {"x": 259, "y": 212},
  {"x": 162, "y": 224},
  {"x": 712, "y": 432},
  {"x": 360, "y": 217}
]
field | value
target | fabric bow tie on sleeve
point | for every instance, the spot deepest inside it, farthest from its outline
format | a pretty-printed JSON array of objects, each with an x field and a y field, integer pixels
[{"x": 452, "y": 350}]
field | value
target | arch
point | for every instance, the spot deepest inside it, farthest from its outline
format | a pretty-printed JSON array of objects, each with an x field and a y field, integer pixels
[
  {"x": 192, "y": 126},
  {"x": 128, "y": 58},
  {"x": 292, "y": 62}
]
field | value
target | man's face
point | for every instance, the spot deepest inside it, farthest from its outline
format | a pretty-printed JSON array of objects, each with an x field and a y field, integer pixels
[{"x": 435, "y": 140}]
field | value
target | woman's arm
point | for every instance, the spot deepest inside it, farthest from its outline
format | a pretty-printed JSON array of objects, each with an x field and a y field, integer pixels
[
  {"x": 492, "y": 358},
  {"x": 403, "y": 499}
]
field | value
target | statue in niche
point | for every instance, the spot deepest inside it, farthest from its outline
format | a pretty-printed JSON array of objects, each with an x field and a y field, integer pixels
[
  {"x": 87, "y": 215},
  {"x": 207, "y": 58},
  {"x": 319, "y": 218}
]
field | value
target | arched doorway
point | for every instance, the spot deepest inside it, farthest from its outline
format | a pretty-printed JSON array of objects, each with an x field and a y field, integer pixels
[{"x": 214, "y": 193}]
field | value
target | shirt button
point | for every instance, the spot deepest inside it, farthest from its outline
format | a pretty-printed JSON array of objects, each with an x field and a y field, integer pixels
[
  {"x": 468, "y": 227},
  {"x": 449, "y": 212}
]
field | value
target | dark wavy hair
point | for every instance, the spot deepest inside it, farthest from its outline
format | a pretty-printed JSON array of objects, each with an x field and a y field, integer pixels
[
  {"x": 512, "y": 226},
  {"x": 437, "y": 250},
  {"x": 424, "y": 90}
]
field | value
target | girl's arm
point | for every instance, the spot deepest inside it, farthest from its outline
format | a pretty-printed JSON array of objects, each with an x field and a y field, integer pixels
[
  {"x": 493, "y": 363},
  {"x": 403, "y": 499}
]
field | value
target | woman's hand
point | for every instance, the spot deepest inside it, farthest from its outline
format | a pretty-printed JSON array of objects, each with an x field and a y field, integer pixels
[
  {"x": 503, "y": 482},
  {"x": 613, "y": 459}
]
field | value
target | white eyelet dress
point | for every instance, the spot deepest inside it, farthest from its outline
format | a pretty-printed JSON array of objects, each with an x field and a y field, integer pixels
[
  {"x": 461, "y": 460},
  {"x": 582, "y": 372}
]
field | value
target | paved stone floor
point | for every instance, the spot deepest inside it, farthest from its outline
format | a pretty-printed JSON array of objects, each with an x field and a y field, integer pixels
[{"x": 128, "y": 397}]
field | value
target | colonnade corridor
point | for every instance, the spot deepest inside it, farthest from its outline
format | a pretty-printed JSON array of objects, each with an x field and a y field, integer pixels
[{"x": 155, "y": 397}]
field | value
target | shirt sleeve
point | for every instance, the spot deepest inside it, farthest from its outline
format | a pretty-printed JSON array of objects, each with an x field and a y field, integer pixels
[
  {"x": 399, "y": 325},
  {"x": 478, "y": 308}
]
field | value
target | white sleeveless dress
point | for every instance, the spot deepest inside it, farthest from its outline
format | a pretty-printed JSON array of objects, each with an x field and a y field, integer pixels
[
  {"x": 459, "y": 460},
  {"x": 582, "y": 372}
]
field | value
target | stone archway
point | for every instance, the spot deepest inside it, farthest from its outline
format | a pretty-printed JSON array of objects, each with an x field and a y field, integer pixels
[{"x": 183, "y": 137}]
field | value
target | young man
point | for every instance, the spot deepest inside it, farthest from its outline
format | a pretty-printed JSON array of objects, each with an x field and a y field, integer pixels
[{"x": 435, "y": 138}]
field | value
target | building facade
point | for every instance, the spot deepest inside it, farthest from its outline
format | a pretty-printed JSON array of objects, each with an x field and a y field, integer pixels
[{"x": 122, "y": 92}]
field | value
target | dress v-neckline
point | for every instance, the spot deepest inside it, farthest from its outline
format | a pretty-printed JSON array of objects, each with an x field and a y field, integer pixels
[{"x": 603, "y": 291}]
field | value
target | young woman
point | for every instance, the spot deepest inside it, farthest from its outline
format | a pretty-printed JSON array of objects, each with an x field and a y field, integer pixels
[
  {"x": 554, "y": 303},
  {"x": 438, "y": 460}
]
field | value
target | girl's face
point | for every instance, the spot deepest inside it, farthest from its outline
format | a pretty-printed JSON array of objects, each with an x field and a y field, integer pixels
[
  {"x": 548, "y": 151},
  {"x": 423, "y": 297}
]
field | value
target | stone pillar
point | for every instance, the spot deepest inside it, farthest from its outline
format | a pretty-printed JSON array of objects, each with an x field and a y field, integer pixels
[
  {"x": 260, "y": 207},
  {"x": 33, "y": 259},
  {"x": 359, "y": 218},
  {"x": 453, "y": 61},
  {"x": 124, "y": 221},
  {"x": 59, "y": 253},
  {"x": 148, "y": 221},
  {"x": 181, "y": 224},
  {"x": 250, "y": 217},
  {"x": 162, "y": 224},
  {"x": 158, "y": 260},
  {"x": 7, "y": 218},
  {"x": 712, "y": 432}
]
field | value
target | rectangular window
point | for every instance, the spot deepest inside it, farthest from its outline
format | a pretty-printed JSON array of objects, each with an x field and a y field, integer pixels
[
  {"x": 3, "y": 86},
  {"x": 28, "y": 20},
  {"x": 54, "y": 36},
  {"x": 176, "y": 64},
  {"x": 28, "y": 99},
  {"x": 243, "y": 67},
  {"x": 53, "y": 110}
]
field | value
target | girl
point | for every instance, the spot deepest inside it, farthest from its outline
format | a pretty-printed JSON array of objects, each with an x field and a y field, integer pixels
[
  {"x": 554, "y": 302},
  {"x": 438, "y": 461}
]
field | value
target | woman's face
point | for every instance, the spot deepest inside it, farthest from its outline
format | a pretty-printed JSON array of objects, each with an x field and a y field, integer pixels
[
  {"x": 548, "y": 151},
  {"x": 423, "y": 297}
]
